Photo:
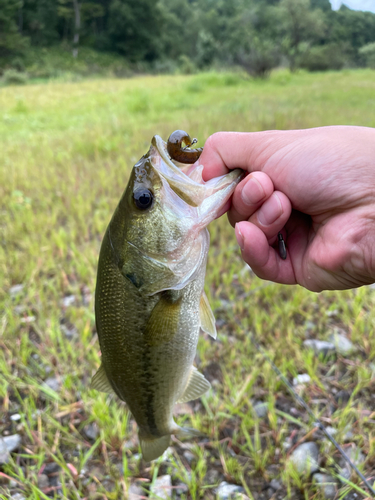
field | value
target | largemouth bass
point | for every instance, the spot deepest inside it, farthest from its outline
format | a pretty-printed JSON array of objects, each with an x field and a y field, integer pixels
[{"x": 149, "y": 301}]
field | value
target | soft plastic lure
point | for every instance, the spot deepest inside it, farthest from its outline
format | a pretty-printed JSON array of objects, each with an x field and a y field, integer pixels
[{"x": 179, "y": 153}]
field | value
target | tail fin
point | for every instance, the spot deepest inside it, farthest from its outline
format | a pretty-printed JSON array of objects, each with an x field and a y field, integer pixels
[{"x": 153, "y": 448}]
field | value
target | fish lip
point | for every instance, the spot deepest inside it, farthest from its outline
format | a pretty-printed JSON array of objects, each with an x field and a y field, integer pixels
[
  {"x": 161, "y": 147},
  {"x": 197, "y": 192}
]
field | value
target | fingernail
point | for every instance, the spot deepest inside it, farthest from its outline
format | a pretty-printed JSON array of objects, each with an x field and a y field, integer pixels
[
  {"x": 239, "y": 236},
  {"x": 252, "y": 192},
  {"x": 270, "y": 211}
]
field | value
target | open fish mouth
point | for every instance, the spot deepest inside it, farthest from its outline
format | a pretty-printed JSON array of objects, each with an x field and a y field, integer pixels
[{"x": 186, "y": 180}]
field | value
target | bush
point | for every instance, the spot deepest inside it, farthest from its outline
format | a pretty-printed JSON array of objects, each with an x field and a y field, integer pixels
[
  {"x": 367, "y": 53},
  {"x": 186, "y": 65},
  {"x": 260, "y": 59},
  {"x": 323, "y": 58},
  {"x": 164, "y": 67},
  {"x": 59, "y": 61},
  {"x": 13, "y": 77}
]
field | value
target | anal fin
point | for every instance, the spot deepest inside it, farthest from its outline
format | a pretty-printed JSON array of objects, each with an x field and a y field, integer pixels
[
  {"x": 154, "y": 448},
  {"x": 100, "y": 381},
  {"x": 207, "y": 317},
  {"x": 197, "y": 385}
]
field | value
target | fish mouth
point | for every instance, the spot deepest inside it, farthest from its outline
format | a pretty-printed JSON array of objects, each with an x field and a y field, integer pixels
[{"x": 187, "y": 181}]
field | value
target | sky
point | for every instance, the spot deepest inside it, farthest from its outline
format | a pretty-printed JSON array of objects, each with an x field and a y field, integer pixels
[{"x": 367, "y": 5}]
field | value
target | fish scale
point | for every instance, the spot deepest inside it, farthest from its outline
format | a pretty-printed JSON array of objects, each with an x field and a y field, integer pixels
[{"x": 150, "y": 303}]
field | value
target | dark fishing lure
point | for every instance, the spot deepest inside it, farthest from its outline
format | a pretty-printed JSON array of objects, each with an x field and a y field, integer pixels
[{"x": 179, "y": 153}]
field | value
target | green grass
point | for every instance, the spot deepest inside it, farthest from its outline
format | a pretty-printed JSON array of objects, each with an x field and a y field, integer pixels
[{"x": 66, "y": 153}]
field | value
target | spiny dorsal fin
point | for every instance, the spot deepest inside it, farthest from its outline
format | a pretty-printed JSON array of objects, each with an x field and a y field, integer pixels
[
  {"x": 207, "y": 317},
  {"x": 153, "y": 448},
  {"x": 163, "y": 322},
  {"x": 196, "y": 386},
  {"x": 100, "y": 381}
]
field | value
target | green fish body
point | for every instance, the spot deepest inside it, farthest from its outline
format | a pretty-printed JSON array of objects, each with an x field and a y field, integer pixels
[{"x": 150, "y": 303}]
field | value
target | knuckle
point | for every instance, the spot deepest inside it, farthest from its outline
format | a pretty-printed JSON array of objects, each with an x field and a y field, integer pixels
[{"x": 215, "y": 140}]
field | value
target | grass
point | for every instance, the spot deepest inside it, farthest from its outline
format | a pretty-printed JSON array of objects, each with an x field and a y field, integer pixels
[{"x": 67, "y": 150}]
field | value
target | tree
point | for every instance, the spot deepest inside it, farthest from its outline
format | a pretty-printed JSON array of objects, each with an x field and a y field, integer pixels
[
  {"x": 134, "y": 29},
  {"x": 300, "y": 28},
  {"x": 40, "y": 22},
  {"x": 11, "y": 41}
]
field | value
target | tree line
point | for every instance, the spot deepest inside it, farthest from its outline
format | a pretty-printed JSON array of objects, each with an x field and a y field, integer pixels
[{"x": 255, "y": 34}]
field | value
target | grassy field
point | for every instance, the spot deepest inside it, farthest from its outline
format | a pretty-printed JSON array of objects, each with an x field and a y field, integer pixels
[{"x": 66, "y": 153}]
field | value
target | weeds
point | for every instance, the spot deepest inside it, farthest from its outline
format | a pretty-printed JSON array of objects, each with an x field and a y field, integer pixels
[{"x": 67, "y": 150}]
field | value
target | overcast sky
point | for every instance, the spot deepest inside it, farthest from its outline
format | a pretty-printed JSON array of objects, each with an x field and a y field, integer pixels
[{"x": 368, "y": 5}]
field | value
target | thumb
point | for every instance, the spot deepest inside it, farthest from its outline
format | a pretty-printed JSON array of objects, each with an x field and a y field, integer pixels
[{"x": 249, "y": 151}]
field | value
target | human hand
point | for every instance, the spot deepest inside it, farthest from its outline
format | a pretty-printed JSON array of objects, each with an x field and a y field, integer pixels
[{"x": 319, "y": 185}]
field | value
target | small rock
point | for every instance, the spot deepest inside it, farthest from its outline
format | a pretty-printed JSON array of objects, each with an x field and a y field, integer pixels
[
  {"x": 20, "y": 309},
  {"x": 91, "y": 431},
  {"x": 135, "y": 492},
  {"x": 15, "y": 290},
  {"x": 167, "y": 456},
  {"x": 309, "y": 325},
  {"x": 189, "y": 456},
  {"x": 261, "y": 409},
  {"x": 43, "y": 481},
  {"x": 4, "y": 452},
  {"x": 320, "y": 347},
  {"x": 342, "y": 398},
  {"x": 275, "y": 484},
  {"x": 180, "y": 489},
  {"x": 227, "y": 491},
  {"x": 17, "y": 496},
  {"x": 69, "y": 332},
  {"x": 28, "y": 319},
  {"x": 342, "y": 344},
  {"x": 161, "y": 489},
  {"x": 68, "y": 300},
  {"x": 12, "y": 442},
  {"x": 212, "y": 477},
  {"x": 52, "y": 470},
  {"x": 331, "y": 430},
  {"x": 332, "y": 314},
  {"x": 86, "y": 295},
  {"x": 348, "y": 436},
  {"x": 53, "y": 383},
  {"x": 16, "y": 417},
  {"x": 352, "y": 495},
  {"x": 326, "y": 484},
  {"x": 355, "y": 455},
  {"x": 303, "y": 378},
  {"x": 305, "y": 458},
  {"x": 345, "y": 472}
]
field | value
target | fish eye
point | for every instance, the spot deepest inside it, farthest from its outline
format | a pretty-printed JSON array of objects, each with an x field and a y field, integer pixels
[{"x": 143, "y": 198}]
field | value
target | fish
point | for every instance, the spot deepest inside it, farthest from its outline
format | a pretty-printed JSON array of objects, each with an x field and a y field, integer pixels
[{"x": 150, "y": 303}]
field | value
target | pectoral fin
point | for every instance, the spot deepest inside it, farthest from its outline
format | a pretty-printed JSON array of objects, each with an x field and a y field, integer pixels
[
  {"x": 207, "y": 317},
  {"x": 196, "y": 386},
  {"x": 163, "y": 323},
  {"x": 100, "y": 381}
]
